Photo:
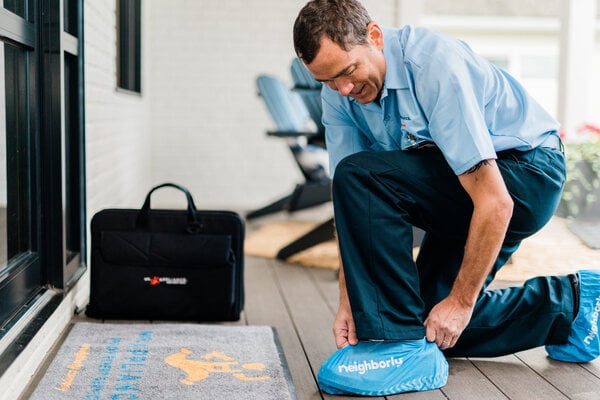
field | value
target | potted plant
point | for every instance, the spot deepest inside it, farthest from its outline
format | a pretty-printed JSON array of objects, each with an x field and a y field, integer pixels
[{"x": 581, "y": 195}]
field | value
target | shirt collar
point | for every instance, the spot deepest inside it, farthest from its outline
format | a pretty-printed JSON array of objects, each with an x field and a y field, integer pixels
[{"x": 395, "y": 72}]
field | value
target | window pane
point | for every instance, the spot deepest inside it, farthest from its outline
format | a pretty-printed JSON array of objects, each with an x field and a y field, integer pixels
[
  {"x": 129, "y": 45},
  {"x": 16, "y": 179},
  {"x": 19, "y": 7},
  {"x": 73, "y": 203},
  {"x": 3, "y": 183},
  {"x": 71, "y": 9}
]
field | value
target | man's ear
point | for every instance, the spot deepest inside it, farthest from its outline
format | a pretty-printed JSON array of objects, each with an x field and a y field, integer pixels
[{"x": 375, "y": 35}]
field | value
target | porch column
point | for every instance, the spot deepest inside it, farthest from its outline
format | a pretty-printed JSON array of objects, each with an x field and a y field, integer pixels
[{"x": 577, "y": 36}]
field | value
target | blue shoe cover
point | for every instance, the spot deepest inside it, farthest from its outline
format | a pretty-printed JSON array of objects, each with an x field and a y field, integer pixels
[
  {"x": 583, "y": 344},
  {"x": 379, "y": 368}
]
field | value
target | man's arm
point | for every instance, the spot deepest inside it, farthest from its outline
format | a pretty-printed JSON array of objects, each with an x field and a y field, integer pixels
[
  {"x": 344, "y": 329},
  {"x": 492, "y": 212}
]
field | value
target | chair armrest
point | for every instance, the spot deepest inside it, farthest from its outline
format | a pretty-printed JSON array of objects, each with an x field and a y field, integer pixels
[
  {"x": 284, "y": 134},
  {"x": 306, "y": 89}
]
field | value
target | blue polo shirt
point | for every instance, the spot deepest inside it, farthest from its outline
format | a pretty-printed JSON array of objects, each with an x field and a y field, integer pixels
[{"x": 436, "y": 89}]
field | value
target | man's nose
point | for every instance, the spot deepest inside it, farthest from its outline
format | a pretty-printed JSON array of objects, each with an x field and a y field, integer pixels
[{"x": 342, "y": 85}]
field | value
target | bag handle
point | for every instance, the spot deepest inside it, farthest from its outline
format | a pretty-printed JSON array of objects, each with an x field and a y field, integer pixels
[{"x": 193, "y": 224}]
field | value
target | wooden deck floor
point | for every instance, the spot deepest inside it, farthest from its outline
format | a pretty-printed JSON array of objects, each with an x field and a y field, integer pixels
[{"x": 301, "y": 302}]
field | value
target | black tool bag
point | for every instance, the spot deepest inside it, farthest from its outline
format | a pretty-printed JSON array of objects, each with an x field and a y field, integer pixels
[{"x": 167, "y": 264}]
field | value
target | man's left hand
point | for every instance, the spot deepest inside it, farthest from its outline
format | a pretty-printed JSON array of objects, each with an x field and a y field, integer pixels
[{"x": 446, "y": 321}]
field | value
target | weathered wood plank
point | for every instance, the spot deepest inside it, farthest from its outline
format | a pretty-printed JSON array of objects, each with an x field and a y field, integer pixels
[
  {"x": 466, "y": 382},
  {"x": 593, "y": 367},
  {"x": 265, "y": 306},
  {"x": 326, "y": 281},
  {"x": 428, "y": 395},
  {"x": 516, "y": 380},
  {"x": 571, "y": 379}
]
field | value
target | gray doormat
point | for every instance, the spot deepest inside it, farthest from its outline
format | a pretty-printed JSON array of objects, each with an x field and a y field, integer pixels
[
  {"x": 167, "y": 361},
  {"x": 588, "y": 232}
]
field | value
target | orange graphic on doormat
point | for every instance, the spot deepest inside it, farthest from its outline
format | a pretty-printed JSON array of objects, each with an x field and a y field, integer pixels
[
  {"x": 73, "y": 369},
  {"x": 197, "y": 370}
]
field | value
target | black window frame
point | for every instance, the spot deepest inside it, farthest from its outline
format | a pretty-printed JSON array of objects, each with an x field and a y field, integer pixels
[
  {"x": 52, "y": 33},
  {"x": 129, "y": 47},
  {"x": 21, "y": 277}
]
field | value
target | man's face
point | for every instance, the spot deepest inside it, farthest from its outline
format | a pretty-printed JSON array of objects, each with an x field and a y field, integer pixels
[{"x": 358, "y": 72}]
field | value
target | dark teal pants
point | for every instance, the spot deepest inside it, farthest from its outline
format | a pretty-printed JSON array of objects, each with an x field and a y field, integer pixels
[{"x": 377, "y": 199}]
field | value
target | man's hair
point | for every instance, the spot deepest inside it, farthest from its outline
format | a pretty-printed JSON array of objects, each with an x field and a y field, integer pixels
[{"x": 343, "y": 21}]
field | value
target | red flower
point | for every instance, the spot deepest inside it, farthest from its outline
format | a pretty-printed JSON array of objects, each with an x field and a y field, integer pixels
[{"x": 589, "y": 128}]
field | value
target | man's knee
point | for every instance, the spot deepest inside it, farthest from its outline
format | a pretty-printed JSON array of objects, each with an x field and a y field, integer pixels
[{"x": 348, "y": 172}]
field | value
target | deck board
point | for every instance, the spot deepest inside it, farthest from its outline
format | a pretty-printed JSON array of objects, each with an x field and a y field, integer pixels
[
  {"x": 516, "y": 380},
  {"x": 573, "y": 380},
  {"x": 467, "y": 382}
]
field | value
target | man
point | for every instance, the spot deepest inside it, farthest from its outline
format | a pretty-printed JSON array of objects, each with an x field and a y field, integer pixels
[{"x": 423, "y": 132}]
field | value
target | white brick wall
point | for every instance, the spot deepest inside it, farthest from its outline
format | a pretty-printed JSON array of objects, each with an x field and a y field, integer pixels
[
  {"x": 118, "y": 135},
  {"x": 208, "y": 123}
]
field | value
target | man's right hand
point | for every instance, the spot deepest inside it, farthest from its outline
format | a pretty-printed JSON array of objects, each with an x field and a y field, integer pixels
[{"x": 343, "y": 327}]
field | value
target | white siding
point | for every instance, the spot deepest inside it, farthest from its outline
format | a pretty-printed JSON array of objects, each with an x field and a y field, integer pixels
[
  {"x": 118, "y": 125},
  {"x": 208, "y": 124}
]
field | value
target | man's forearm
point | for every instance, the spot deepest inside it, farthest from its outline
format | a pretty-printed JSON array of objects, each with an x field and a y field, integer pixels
[
  {"x": 344, "y": 329},
  {"x": 342, "y": 283},
  {"x": 492, "y": 211},
  {"x": 486, "y": 235}
]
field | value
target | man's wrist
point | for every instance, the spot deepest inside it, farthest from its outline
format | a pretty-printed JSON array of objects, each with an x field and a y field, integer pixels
[{"x": 464, "y": 297}]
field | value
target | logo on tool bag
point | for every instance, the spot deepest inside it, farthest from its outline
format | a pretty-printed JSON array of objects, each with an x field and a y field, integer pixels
[
  {"x": 166, "y": 280},
  {"x": 214, "y": 363}
]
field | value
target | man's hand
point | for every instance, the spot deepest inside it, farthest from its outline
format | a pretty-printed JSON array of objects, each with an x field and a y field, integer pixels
[
  {"x": 446, "y": 322},
  {"x": 343, "y": 327}
]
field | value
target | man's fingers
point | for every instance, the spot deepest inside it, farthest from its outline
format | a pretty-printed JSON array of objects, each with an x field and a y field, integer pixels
[
  {"x": 447, "y": 343},
  {"x": 352, "y": 338},
  {"x": 442, "y": 338},
  {"x": 341, "y": 342},
  {"x": 341, "y": 337},
  {"x": 430, "y": 333}
]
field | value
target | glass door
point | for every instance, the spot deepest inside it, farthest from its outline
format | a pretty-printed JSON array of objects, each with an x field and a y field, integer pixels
[{"x": 20, "y": 272}]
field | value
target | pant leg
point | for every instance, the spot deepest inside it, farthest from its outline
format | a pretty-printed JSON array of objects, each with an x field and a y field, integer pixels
[
  {"x": 518, "y": 318},
  {"x": 377, "y": 197}
]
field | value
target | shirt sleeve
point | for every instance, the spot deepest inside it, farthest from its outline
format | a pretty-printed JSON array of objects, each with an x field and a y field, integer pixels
[
  {"x": 450, "y": 84},
  {"x": 342, "y": 136}
]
